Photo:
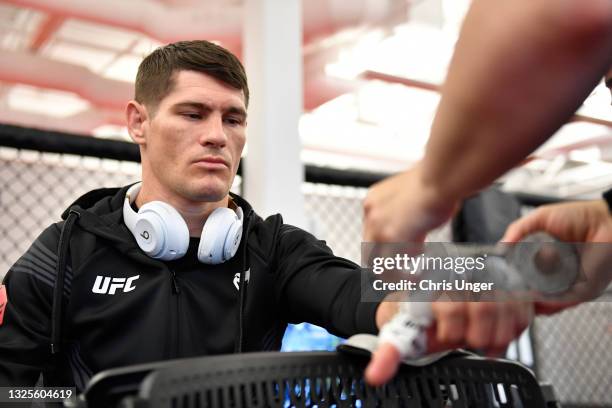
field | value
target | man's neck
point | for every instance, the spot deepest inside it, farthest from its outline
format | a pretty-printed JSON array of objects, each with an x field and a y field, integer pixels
[{"x": 195, "y": 213}]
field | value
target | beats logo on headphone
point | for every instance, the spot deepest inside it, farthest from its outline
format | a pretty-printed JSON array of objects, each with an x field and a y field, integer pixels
[{"x": 161, "y": 232}]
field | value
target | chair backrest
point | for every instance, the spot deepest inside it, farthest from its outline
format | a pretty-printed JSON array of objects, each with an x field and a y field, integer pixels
[
  {"x": 108, "y": 388},
  {"x": 331, "y": 379}
]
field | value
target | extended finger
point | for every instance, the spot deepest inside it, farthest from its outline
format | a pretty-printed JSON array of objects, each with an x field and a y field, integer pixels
[
  {"x": 383, "y": 365},
  {"x": 534, "y": 221}
]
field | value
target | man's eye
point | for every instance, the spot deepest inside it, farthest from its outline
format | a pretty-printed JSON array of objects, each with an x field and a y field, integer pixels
[
  {"x": 233, "y": 121},
  {"x": 192, "y": 115}
]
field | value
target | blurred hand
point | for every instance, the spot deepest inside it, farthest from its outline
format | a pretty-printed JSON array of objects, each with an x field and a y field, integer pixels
[
  {"x": 403, "y": 208},
  {"x": 580, "y": 221},
  {"x": 487, "y": 326},
  {"x": 584, "y": 221}
]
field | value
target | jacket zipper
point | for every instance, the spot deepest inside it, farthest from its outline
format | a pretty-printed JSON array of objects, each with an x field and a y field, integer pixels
[
  {"x": 243, "y": 284},
  {"x": 176, "y": 290},
  {"x": 175, "y": 286}
]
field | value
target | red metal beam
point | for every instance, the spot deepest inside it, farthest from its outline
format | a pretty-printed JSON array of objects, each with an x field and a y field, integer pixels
[
  {"x": 45, "y": 30},
  {"x": 374, "y": 75}
]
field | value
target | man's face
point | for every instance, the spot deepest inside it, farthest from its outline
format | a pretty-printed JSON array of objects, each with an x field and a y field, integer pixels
[{"x": 194, "y": 141}]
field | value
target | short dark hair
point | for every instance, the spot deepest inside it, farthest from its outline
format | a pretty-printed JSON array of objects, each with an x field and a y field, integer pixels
[{"x": 155, "y": 79}]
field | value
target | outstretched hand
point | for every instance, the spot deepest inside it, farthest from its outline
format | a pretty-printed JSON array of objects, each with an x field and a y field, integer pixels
[
  {"x": 487, "y": 326},
  {"x": 404, "y": 208},
  {"x": 587, "y": 222}
]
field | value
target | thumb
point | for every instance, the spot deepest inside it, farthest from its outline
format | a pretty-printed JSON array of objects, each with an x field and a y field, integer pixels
[
  {"x": 513, "y": 233},
  {"x": 521, "y": 228}
]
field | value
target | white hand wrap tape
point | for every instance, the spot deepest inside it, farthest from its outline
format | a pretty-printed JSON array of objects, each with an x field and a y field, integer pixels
[{"x": 406, "y": 330}]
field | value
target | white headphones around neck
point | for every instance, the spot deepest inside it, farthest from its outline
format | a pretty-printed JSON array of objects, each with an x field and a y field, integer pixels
[{"x": 161, "y": 232}]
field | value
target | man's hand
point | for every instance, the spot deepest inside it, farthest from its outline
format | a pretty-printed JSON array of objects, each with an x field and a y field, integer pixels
[
  {"x": 580, "y": 221},
  {"x": 487, "y": 326},
  {"x": 404, "y": 208},
  {"x": 585, "y": 221}
]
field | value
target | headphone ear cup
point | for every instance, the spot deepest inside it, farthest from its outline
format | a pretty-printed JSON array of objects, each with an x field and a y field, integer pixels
[
  {"x": 232, "y": 241},
  {"x": 149, "y": 233},
  {"x": 161, "y": 231},
  {"x": 219, "y": 242}
]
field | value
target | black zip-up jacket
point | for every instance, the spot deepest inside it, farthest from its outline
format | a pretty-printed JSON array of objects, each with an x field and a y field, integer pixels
[{"x": 120, "y": 307}]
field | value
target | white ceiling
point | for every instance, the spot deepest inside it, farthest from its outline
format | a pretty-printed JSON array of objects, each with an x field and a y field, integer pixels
[{"x": 69, "y": 65}]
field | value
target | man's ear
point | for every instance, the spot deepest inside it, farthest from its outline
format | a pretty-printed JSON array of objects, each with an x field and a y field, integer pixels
[{"x": 137, "y": 119}]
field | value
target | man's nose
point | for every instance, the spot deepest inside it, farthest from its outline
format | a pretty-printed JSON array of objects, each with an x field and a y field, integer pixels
[{"x": 213, "y": 133}]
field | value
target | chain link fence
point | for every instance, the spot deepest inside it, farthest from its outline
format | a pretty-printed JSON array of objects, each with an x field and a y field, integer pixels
[
  {"x": 335, "y": 215},
  {"x": 36, "y": 187},
  {"x": 573, "y": 350}
]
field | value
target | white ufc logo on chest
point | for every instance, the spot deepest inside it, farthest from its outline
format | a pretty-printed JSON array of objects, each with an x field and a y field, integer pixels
[{"x": 106, "y": 285}]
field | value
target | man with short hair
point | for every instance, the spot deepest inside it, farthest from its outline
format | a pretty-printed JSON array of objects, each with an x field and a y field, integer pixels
[{"x": 174, "y": 266}]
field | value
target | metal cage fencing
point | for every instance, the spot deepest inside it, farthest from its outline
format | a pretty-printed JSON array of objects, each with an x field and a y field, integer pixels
[
  {"x": 334, "y": 214},
  {"x": 36, "y": 187},
  {"x": 573, "y": 352}
]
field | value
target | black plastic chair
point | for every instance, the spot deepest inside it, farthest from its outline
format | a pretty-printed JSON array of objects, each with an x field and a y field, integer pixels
[{"x": 312, "y": 379}]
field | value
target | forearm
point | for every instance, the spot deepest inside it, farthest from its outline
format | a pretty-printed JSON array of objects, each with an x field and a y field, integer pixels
[{"x": 520, "y": 70}]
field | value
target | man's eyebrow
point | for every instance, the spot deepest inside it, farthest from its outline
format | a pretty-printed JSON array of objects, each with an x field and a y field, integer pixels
[{"x": 203, "y": 106}]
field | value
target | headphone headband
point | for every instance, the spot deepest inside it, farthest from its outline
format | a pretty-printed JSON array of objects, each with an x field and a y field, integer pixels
[{"x": 129, "y": 215}]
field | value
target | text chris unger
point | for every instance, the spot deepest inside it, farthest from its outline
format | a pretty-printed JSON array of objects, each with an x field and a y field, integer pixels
[{"x": 429, "y": 285}]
